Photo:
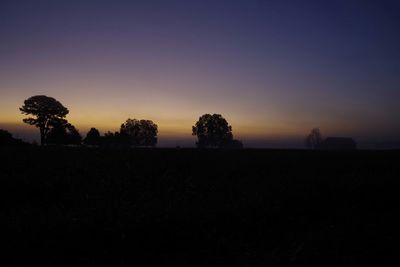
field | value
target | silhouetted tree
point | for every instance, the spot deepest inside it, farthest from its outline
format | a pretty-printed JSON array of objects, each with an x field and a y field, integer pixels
[
  {"x": 92, "y": 137},
  {"x": 132, "y": 128},
  {"x": 47, "y": 112},
  {"x": 314, "y": 139},
  {"x": 73, "y": 136},
  {"x": 6, "y": 139},
  {"x": 140, "y": 132},
  {"x": 107, "y": 139},
  {"x": 63, "y": 134},
  {"x": 116, "y": 139},
  {"x": 212, "y": 131},
  {"x": 149, "y": 131}
]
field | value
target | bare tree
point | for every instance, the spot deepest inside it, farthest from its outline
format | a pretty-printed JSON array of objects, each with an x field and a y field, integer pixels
[{"x": 314, "y": 139}]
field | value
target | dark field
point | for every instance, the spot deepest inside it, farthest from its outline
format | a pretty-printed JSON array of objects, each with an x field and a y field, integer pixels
[{"x": 184, "y": 207}]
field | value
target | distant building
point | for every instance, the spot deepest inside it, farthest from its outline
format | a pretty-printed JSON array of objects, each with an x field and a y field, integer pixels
[{"x": 338, "y": 143}]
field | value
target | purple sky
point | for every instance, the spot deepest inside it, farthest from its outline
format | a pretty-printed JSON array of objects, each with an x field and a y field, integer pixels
[{"x": 273, "y": 69}]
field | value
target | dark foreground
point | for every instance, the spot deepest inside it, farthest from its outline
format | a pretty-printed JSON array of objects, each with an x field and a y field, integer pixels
[{"x": 67, "y": 207}]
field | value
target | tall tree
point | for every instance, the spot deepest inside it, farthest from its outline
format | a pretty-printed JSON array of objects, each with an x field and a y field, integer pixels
[
  {"x": 46, "y": 112},
  {"x": 212, "y": 131}
]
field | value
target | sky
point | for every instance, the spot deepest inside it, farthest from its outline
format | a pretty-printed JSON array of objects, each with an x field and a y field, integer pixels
[{"x": 274, "y": 69}]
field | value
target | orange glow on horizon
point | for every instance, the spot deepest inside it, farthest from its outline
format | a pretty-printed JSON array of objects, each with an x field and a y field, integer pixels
[{"x": 175, "y": 117}]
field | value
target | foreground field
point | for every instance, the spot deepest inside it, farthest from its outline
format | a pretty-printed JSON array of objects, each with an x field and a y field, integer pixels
[{"x": 184, "y": 207}]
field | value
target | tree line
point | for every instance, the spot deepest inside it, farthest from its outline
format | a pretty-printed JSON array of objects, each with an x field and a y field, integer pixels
[
  {"x": 211, "y": 130},
  {"x": 49, "y": 116}
]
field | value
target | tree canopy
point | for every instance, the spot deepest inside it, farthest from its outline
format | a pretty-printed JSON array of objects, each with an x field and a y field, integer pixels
[
  {"x": 140, "y": 132},
  {"x": 47, "y": 113},
  {"x": 64, "y": 134},
  {"x": 92, "y": 137},
  {"x": 212, "y": 131}
]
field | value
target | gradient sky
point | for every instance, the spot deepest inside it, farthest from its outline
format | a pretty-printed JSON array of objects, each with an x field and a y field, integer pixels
[{"x": 274, "y": 69}]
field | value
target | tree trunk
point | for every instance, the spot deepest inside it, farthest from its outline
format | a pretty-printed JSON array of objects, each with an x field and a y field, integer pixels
[{"x": 42, "y": 139}]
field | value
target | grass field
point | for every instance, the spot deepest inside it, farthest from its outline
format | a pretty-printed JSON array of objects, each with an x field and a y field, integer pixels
[{"x": 187, "y": 207}]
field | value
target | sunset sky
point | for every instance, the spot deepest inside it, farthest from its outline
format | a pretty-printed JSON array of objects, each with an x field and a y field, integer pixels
[{"x": 274, "y": 69}]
